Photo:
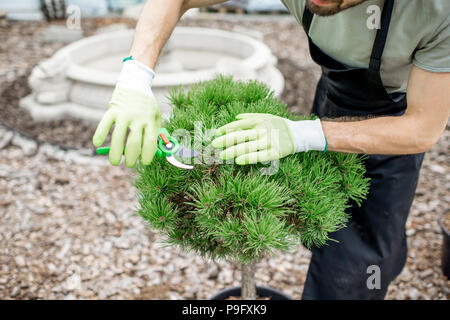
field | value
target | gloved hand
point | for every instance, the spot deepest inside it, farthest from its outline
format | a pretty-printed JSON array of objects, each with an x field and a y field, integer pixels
[
  {"x": 259, "y": 137},
  {"x": 132, "y": 106}
]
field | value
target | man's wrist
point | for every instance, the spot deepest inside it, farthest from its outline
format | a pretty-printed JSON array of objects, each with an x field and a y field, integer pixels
[
  {"x": 307, "y": 135},
  {"x": 136, "y": 76}
]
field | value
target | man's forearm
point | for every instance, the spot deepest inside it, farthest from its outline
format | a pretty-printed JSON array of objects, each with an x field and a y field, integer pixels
[
  {"x": 154, "y": 27},
  {"x": 383, "y": 135},
  {"x": 414, "y": 132},
  {"x": 156, "y": 24}
]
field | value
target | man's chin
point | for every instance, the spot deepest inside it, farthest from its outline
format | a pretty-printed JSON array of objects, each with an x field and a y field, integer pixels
[
  {"x": 323, "y": 11},
  {"x": 333, "y": 8}
]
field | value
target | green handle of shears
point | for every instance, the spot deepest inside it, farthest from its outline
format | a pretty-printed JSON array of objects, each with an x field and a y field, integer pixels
[
  {"x": 103, "y": 150},
  {"x": 160, "y": 151}
]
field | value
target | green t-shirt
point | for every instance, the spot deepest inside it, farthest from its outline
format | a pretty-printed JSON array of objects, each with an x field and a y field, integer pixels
[{"x": 419, "y": 34}]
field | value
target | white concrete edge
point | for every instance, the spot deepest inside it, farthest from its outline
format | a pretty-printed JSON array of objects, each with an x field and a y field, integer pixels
[
  {"x": 31, "y": 147},
  {"x": 75, "y": 72}
]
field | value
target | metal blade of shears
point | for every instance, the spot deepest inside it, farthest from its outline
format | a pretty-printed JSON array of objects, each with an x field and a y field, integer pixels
[
  {"x": 178, "y": 164},
  {"x": 185, "y": 152}
]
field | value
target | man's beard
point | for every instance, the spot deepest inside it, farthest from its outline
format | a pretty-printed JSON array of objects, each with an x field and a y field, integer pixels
[{"x": 337, "y": 6}]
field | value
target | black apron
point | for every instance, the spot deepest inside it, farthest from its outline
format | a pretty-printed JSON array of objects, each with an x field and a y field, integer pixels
[{"x": 374, "y": 239}]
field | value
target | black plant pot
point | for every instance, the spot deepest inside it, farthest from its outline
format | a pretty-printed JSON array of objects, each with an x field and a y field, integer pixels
[
  {"x": 263, "y": 292},
  {"x": 445, "y": 263}
]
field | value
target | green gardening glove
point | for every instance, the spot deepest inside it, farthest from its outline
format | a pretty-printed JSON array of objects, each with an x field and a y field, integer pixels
[
  {"x": 140, "y": 114},
  {"x": 132, "y": 106},
  {"x": 260, "y": 137}
]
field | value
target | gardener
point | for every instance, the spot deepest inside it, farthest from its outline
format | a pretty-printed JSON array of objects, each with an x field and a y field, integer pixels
[{"x": 393, "y": 75}]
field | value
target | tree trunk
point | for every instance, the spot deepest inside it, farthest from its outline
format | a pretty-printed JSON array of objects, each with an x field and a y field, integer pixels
[{"x": 248, "y": 283}]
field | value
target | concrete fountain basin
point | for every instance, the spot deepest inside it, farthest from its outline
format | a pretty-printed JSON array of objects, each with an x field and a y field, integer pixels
[{"x": 78, "y": 80}]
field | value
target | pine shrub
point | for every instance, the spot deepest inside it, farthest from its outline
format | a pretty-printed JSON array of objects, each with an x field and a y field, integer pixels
[{"x": 234, "y": 212}]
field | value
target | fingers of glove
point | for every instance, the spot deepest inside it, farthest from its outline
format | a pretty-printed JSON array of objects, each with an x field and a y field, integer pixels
[
  {"x": 158, "y": 120},
  {"x": 243, "y": 116},
  {"x": 243, "y": 148},
  {"x": 259, "y": 156},
  {"x": 236, "y": 137},
  {"x": 103, "y": 128},
  {"x": 133, "y": 146},
  {"x": 117, "y": 142},
  {"x": 149, "y": 144},
  {"x": 236, "y": 126}
]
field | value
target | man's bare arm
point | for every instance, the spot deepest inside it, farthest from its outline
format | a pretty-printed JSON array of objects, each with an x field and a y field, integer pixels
[
  {"x": 156, "y": 24},
  {"x": 414, "y": 132}
]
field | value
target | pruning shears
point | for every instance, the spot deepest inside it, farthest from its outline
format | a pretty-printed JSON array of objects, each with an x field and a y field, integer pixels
[{"x": 168, "y": 147}]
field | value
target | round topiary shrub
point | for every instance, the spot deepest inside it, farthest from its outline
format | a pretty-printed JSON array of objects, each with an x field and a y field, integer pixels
[{"x": 236, "y": 212}]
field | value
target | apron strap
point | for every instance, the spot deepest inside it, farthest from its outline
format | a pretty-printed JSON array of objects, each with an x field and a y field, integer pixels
[
  {"x": 307, "y": 19},
  {"x": 380, "y": 38}
]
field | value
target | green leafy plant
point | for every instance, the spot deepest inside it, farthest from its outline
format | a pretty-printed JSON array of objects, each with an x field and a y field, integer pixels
[{"x": 226, "y": 211}]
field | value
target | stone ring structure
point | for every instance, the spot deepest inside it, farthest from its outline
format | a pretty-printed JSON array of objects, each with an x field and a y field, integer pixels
[{"x": 78, "y": 80}]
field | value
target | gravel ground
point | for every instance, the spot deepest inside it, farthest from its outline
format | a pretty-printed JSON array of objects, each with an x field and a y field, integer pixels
[
  {"x": 23, "y": 46},
  {"x": 68, "y": 231}
]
